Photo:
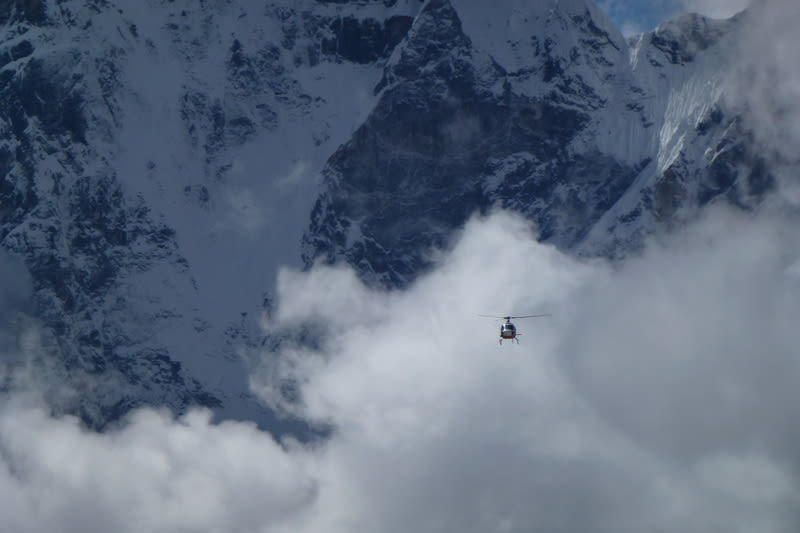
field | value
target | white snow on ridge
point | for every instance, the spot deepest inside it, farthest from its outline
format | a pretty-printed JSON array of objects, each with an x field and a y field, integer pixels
[
  {"x": 514, "y": 32},
  {"x": 674, "y": 97},
  {"x": 503, "y": 29},
  {"x": 523, "y": 36}
]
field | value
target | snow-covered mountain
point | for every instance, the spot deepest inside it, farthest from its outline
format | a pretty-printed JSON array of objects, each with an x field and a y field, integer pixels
[
  {"x": 162, "y": 159},
  {"x": 159, "y": 163},
  {"x": 543, "y": 109}
]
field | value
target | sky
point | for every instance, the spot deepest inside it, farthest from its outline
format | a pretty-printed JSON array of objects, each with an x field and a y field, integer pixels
[
  {"x": 636, "y": 16},
  {"x": 660, "y": 395}
]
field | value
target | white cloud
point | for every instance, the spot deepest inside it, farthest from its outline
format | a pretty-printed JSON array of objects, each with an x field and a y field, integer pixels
[
  {"x": 765, "y": 78},
  {"x": 155, "y": 475},
  {"x": 659, "y": 396},
  {"x": 665, "y": 380},
  {"x": 630, "y": 28},
  {"x": 720, "y": 9}
]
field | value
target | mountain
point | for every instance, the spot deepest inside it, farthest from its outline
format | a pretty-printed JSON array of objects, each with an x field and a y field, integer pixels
[
  {"x": 162, "y": 160},
  {"x": 159, "y": 163},
  {"x": 702, "y": 149},
  {"x": 546, "y": 111}
]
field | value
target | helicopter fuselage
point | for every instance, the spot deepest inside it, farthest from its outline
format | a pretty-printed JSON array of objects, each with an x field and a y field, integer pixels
[{"x": 508, "y": 331}]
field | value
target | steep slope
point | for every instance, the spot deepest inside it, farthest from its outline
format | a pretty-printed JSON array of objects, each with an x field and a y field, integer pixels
[
  {"x": 159, "y": 161},
  {"x": 703, "y": 150},
  {"x": 481, "y": 106}
]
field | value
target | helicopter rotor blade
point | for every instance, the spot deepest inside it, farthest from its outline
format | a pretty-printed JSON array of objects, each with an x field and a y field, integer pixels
[{"x": 515, "y": 317}]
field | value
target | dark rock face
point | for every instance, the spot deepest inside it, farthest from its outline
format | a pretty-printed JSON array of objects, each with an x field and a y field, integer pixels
[
  {"x": 364, "y": 41},
  {"x": 33, "y": 11},
  {"x": 396, "y": 179},
  {"x": 736, "y": 171},
  {"x": 47, "y": 92},
  {"x": 52, "y": 98},
  {"x": 339, "y": 39},
  {"x": 63, "y": 212},
  {"x": 682, "y": 39},
  {"x": 421, "y": 164}
]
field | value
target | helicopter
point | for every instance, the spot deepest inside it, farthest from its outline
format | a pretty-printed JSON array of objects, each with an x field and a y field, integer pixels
[{"x": 508, "y": 330}]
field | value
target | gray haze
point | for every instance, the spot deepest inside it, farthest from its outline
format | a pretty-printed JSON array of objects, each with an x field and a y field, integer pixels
[{"x": 764, "y": 80}]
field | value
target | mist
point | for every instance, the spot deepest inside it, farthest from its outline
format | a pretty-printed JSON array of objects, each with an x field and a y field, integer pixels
[
  {"x": 659, "y": 395},
  {"x": 719, "y": 9},
  {"x": 764, "y": 81}
]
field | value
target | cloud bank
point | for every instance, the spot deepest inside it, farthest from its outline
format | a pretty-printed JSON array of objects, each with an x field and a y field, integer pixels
[
  {"x": 156, "y": 475},
  {"x": 765, "y": 77},
  {"x": 659, "y": 396}
]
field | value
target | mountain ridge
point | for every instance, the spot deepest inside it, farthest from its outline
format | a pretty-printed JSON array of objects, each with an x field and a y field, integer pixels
[{"x": 162, "y": 161}]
